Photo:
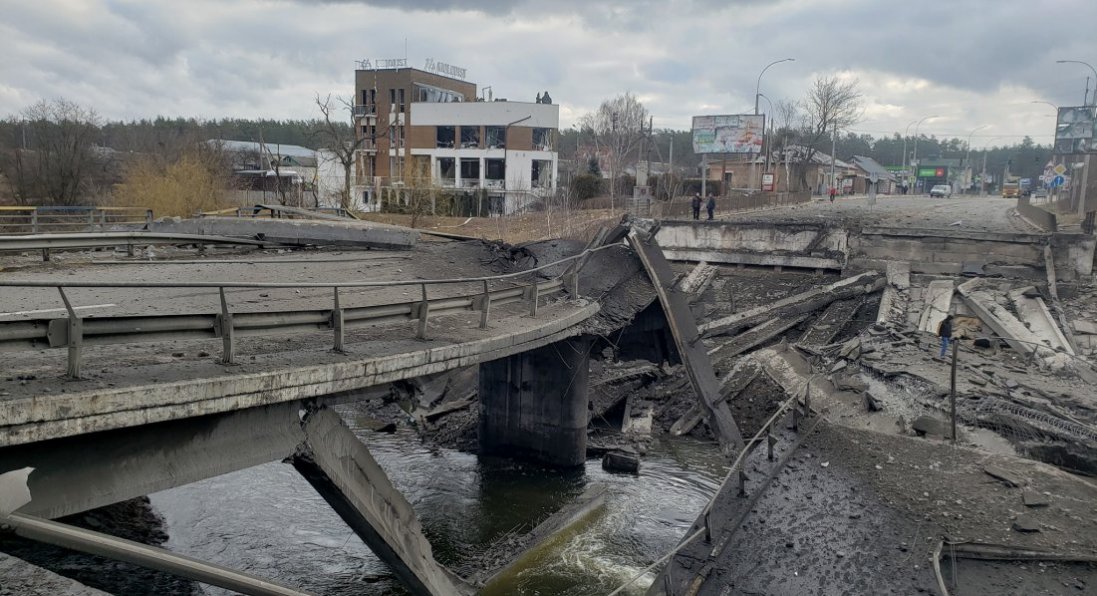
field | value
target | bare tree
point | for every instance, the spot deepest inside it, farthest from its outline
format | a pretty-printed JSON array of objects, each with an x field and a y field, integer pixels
[
  {"x": 56, "y": 157},
  {"x": 831, "y": 103},
  {"x": 340, "y": 140},
  {"x": 618, "y": 126}
]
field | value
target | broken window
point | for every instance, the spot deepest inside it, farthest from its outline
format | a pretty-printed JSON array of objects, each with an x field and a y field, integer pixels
[
  {"x": 447, "y": 171},
  {"x": 496, "y": 137},
  {"x": 541, "y": 173},
  {"x": 470, "y": 137},
  {"x": 495, "y": 170},
  {"x": 430, "y": 94},
  {"x": 542, "y": 139},
  {"x": 470, "y": 172},
  {"x": 444, "y": 137}
]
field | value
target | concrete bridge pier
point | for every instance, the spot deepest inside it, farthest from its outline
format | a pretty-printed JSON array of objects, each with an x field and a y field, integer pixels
[{"x": 534, "y": 404}]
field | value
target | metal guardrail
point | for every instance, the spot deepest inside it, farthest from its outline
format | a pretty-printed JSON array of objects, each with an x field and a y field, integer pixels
[
  {"x": 54, "y": 219},
  {"x": 75, "y": 332},
  {"x": 48, "y": 242}
]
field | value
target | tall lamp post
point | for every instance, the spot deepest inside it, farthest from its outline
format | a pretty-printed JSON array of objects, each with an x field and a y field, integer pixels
[
  {"x": 769, "y": 124},
  {"x": 967, "y": 159},
  {"x": 1087, "y": 65},
  {"x": 906, "y": 133},
  {"x": 758, "y": 84},
  {"x": 506, "y": 145},
  {"x": 757, "y": 93},
  {"x": 914, "y": 160}
]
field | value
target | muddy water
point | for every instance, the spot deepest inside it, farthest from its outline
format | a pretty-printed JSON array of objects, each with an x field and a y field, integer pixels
[{"x": 270, "y": 522}]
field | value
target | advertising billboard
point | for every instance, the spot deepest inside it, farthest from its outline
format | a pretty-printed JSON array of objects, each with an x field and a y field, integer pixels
[
  {"x": 1074, "y": 129},
  {"x": 740, "y": 133},
  {"x": 933, "y": 172}
]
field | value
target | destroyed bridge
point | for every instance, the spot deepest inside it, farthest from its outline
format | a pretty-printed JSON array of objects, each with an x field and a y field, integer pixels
[{"x": 127, "y": 374}]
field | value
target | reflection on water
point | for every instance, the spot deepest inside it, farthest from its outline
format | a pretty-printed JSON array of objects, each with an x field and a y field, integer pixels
[{"x": 269, "y": 521}]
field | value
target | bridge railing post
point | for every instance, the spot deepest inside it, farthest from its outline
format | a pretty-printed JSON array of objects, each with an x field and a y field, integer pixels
[
  {"x": 533, "y": 294},
  {"x": 337, "y": 323},
  {"x": 75, "y": 339},
  {"x": 228, "y": 352},
  {"x": 424, "y": 313},
  {"x": 485, "y": 306},
  {"x": 34, "y": 221}
]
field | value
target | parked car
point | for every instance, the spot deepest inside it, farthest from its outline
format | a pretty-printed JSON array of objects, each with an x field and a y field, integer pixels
[
  {"x": 943, "y": 191},
  {"x": 1039, "y": 193}
]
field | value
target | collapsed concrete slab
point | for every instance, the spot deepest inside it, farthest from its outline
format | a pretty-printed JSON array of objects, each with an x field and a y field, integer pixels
[
  {"x": 938, "y": 299},
  {"x": 687, "y": 340},
  {"x": 826, "y": 326},
  {"x": 1006, "y": 326},
  {"x": 1034, "y": 313},
  {"x": 341, "y": 469},
  {"x": 896, "y": 298},
  {"x": 297, "y": 232},
  {"x": 806, "y": 302},
  {"x": 698, "y": 280},
  {"x": 756, "y": 336}
]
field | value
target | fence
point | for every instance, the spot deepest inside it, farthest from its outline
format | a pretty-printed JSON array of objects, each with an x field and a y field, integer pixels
[
  {"x": 75, "y": 332},
  {"x": 680, "y": 207},
  {"x": 54, "y": 219}
]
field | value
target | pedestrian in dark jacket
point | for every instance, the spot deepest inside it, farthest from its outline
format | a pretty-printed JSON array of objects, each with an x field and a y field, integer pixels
[
  {"x": 944, "y": 331},
  {"x": 710, "y": 206},
  {"x": 695, "y": 203}
]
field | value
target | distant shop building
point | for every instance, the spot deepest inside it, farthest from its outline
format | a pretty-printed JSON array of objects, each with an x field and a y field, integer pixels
[{"x": 421, "y": 129}]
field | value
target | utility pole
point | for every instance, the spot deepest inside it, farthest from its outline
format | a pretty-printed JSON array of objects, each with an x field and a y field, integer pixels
[
  {"x": 833, "y": 150},
  {"x": 983, "y": 181}
]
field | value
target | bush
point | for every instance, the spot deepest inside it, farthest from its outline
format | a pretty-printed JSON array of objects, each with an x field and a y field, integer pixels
[
  {"x": 191, "y": 183},
  {"x": 585, "y": 186}
]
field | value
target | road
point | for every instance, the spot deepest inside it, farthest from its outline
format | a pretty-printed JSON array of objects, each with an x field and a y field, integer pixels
[{"x": 983, "y": 214}]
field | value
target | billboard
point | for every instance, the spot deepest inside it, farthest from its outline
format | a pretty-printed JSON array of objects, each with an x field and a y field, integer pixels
[
  {"x": 933, "y": 172},
  {"x": 741, "y": 133},
  {"x": 1074, "y": 130}
]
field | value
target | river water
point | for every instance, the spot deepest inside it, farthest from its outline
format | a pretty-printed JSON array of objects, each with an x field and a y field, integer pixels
[{"x": 269, "y": 521}]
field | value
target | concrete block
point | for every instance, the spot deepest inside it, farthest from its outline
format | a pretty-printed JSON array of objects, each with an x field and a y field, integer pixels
[{"x": 1085, "y": 327}]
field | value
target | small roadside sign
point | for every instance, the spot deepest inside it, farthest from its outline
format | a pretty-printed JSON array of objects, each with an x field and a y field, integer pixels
[
  {"x": 1057, "y": 181},
  {"x": 1060, "y": 169}
]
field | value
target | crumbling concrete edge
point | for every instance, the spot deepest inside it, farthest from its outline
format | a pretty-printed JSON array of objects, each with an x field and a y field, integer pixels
[{"x": 559, "y": 527}]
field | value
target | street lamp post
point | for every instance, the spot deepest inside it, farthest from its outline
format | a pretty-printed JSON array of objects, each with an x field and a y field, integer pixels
[
  {"x": 906, "y": 133},
  {"x": 757, "y": 93},
  {"x": 765, "y": 137},
  {"x": 1090, "y": 67},
  {"x": 758, "y": 84},
  {"x": 506, "y": 146},
  {"x": 967, "y": 159},
  {"x": 914, "y": 160}
]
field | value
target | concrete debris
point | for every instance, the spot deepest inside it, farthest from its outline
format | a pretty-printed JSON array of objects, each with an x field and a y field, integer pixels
[
  {"x": 1035, "y": 314},
  {"x": 1084, "y": 327},
  {"x": 744, "y": 371},
  {"x": 1032, "y": 498},
  {"x": 938, "y": 302},
  {"x": 698, "y": 280},
  {"x": 928, "y": 425},
  {"x": 621, "y": 461},
  {"x": 1006, "y": 476},
  {"x": 756, "y": 336},
  {"x": 1026, "y": 523},
  {"x": 806, "y": 302},
  {"x": 826, "y": 326},
  {"x": 985, "y": 305}
]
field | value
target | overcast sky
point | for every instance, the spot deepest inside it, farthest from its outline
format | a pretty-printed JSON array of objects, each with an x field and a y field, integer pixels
[{"x": 969, "y": 62}]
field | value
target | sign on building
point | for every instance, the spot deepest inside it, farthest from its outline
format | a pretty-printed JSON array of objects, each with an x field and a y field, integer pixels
[
  {"x": 767, "y": 183},
  {"x": 1074, "y": 130},
  {"x": 741, "y": 133},
  {"x": 934, "y": 172}
]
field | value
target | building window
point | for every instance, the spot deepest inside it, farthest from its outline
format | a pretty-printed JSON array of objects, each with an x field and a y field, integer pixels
[
  {"x": 541, "y": 173},
  {"x": 400, "y": 95},
  {"x": 444, "y": 137},
  {"x": 470, "y": 172},
  {"x": 496, "y": 137},
  {"x": 447, "y": 171},
  {"x": 470, "y": 137},
  {"x": 495, "y": 170},
  {"x": 542, "y": 139},
  {"x": 392, "y": 97},
  {"x": 430, "y": 94}
]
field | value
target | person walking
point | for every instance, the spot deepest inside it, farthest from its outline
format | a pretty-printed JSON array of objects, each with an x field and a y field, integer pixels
[
  {"x": 833, "y": 191},
  {"x": 944, "y": 331},
  {"x": 695, "y": 203},
  {"x": 710, "y": 206}
]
